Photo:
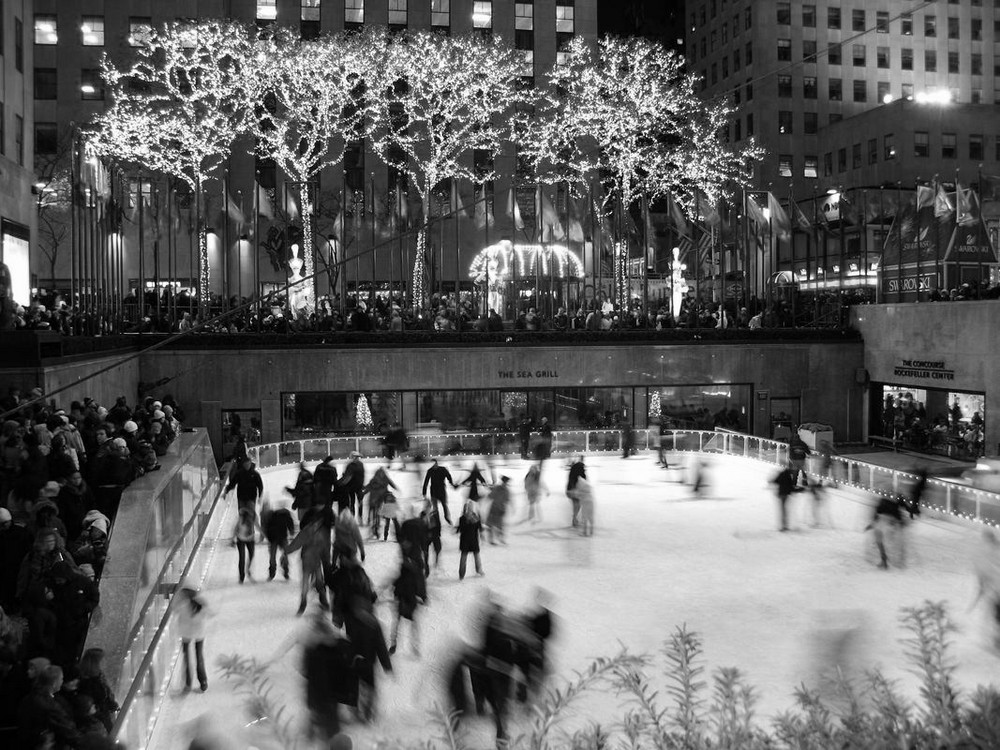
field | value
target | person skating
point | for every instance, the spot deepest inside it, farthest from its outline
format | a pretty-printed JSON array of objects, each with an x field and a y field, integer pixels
[
  {"x": 347, "y": 540},
  {"x": 409, "y": 588},
  {"x": 887, "y": 524},
  {"x": 378, "y": 493},
  {"x": 986, "y": 566},
  {"x": 585, "y": 496},
  {"x": 785, "y": 481},
  {"x": 435, "y": 479},
  {"x": 474, "y": 479},
  {"x": 432, "y": 536},
  {"x": 797, "y": 453},
  {"x": 244, "y": 537},
  {"x": 524, "y": 435},
  {"x": 192, "y": 616},
  {"x": 533, "y": 490},
  {"x": 496, "y": 518},
  {"x": 469, "y": 529},
  {"x": 353, "y": 482},
  {"x": 278, "y": 528},
  {"x": 544, "y": 448},
  {"x": 314, "y": 542},
  {"x": 248, "y": 483},
  {"x": 303, "y": 493},
  {"x": 664, "y": 443},
  {"x": 577, "y": 471},
  {"x": 324, "y": 480}
]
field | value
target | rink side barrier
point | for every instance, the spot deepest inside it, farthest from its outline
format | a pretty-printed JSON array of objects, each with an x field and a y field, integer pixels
[
  {"x": 941, "y": 496},
  {"x": 167, "y": 540}
]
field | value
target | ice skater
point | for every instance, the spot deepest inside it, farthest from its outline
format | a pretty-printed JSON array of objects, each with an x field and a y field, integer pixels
[
  {"x": 474, "y": 479},
  {"x": 192, "y": 616},
  {"x": 432, "y": 535},
  {"x": 469, "y": 529},
  {"x": 585, "y": 496},
  {"x": 410, "y": 589},
  {"x": 378, "y": 492},
  {"x": 244, "y": 538},
  {"x": 278, "y": 527},
  {"x": 496, "y": 519},
  {"x": 435, "y": 479},
  {"x": 887, "y": 524},
  {"x": 577, "y": 471},
  {"x": 314, "y": 542},
  {"x": 533, "y": 489},
  {"x": 785, "y": 481},
  {"x": 986, "y": 565}
]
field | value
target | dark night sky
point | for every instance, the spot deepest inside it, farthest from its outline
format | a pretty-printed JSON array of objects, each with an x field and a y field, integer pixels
[{"x": 656, "y": 19}]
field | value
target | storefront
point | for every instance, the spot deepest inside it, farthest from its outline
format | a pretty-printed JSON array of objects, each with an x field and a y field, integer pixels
[{"x": 933, "y": 420}]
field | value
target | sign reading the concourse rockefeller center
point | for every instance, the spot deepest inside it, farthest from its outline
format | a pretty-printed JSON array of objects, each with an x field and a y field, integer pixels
[{"x": 923, "y": 368}]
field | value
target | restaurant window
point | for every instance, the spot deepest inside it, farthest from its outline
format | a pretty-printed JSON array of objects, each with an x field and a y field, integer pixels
[
  {"x": 46, "y": 29},
  {"x": 306, "y": 415},
  {"x": 701, "y": 407}
]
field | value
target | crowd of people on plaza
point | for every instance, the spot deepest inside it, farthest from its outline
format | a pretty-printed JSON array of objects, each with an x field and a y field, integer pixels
[
  {"x": 62, "y": 475},
  {"x": 905, "y": 420}
]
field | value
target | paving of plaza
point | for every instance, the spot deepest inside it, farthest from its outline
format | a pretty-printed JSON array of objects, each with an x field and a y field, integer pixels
[{"x": 766, "y": 602}]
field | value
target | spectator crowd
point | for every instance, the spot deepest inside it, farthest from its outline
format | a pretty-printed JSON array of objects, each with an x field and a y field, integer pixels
[{"x": 62, "y": 475}]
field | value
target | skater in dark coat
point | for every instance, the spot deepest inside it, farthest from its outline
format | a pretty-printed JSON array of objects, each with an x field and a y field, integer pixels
[
  {"x": 303, "y": 493},
  {"x": 435, "y": 478},
  {"x": 278, "y": 528},
  {"x": 413, "y": 529},
  {"x": 432, "y": 525},
  {"x": 577, "y": 471},
  {"x": 249, "y": 485},
  {"x": 469, "y": 529},
  {"x": 365, "y": 632},
  {"x": 409, "y": 588},
  {"x": 314, "y": 541},
  {"x": 324, "y": 479},
  {"x": 785, "y": 480},
  {"x": 474, "y": 479},
  {"x": 353, "y": 482},
  {"x": 496, "y": 519}
]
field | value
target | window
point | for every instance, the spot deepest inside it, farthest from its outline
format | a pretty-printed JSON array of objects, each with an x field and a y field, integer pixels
[
  {"x": 750, "y": 125},
  {"x": 3, "y": 130},
  {"x": 833, "y": 54},
  {"x": 952, "y": 62},
  {"x": 785, "y": 165},
  {"x": 139, "y": 30},
  {"x": 524, "y": 16},
  {"x": 809, "y": 50},
  {"x": 748, "y": 90},
  {"x": 976, "y": 96},
  {"x": 861, "y": 91},
  {"x": 309, "y": 18},
  {"x": 354, "y": 11},
  {"x": 810, "y": 166},
  {"x": 809, "y": 87},
  {"x": 91, "y": 85},
  {"x": 784, "y": 122},
  {"x": 930, "y": 25},
  {"x": 954, "y": 29},
  {"x": 883, "y": 92},
  {"x": 976, "y": 64},
  {"x": 45, "y": 83},
  {"x": 908, "y": 91},
  {"x": 977, "y": 29},
  {"x": 440, "y": 12},
  {"x": 889, "y": 146},
  {"x": 842, "y": 160},
  {"x": 949, "y": 146},
  {"x": 975, "y": 147},
  {"x": 748, "y": 20},
  {"x": 784, "y": 86},
  {"x": 267, "y": 10},
  {"x": 921, "y": 143},
  {"x": 565, "y": 15},
  {"x": 92, "y": 31},
  {"x": 736, "y": 60},
  {"x": 725, "y": 33},
  {"x": 725, "y": 68},
  {"x": 397, "y": 12},
  {"x": 882, "y": 57},
  {"x": 738, "y": 130},
  {"x": 810, "y": 123},
  {"x": 785, "y": 50},
  {"x": 46, "y": 29},
  {"x": 856, "y": 156},
  {"x": 882, "y": 21},
  {"x": 858, "y": 22},
  {"x": 907, "y": 24},
  {"x": 809, "y": 16},
  {"x": 827, "y": 164},
  {"x": 930, "y": 61},
  {"x": 906, "y": 58},
  {"x": 46, "y": 138},
  {"x": 19, "y": 139},
  {"x": 749, "y": 53},
  {"x": 18, "y": 45},
  {"x": 784, "y": 14},
  {"x": 873, "y": 150},
  {"x": 836, "y": 91},
  {"x": 858, "y": 55},
  {"x": 835, "y": 117},
  {"x": 833, "y": 18}
]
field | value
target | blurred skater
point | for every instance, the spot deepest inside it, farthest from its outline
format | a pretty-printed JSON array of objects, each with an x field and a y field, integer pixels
[
  {"x": 435, "y": 478},
  {"x": 474, "y": 479},
  {"x": 986, "y": 565},
  {"x": 533, "y": 490},
  {"x": 314, "y": 542},
  {"x": 797, "y": 453},
  {"x": 664, "y": 443},
  {"x": 347, "y": 540},
  {"x": 278, "y": 528},
  {"x": 577, "y": 471},
  {"x": 303, "y": 493},
  {"x": 352, "y": 482},
  {"x": 496, "y": 518},
  {"x": 785, "y": 481},
  {"x": 411, "y": 533},
  {"x": 538, "y": 618},
  {"x": 192, "y": 616},
  {"x": 245, "y": 537},
  {"x": 887, "y": 525},
  {"x": 469, "y": 529},
  {"x": 585, "y": 496},
  {"x": 378, "y": 492},
  {"x": 699, "y": 475},
  {"x": 917, "y": 492},
  {"x": 409, "y": 588},
  {"x": 432, "y": 537}
]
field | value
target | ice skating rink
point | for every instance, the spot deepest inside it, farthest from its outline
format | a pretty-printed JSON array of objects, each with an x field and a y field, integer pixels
[{"x": 766, "y": 602}]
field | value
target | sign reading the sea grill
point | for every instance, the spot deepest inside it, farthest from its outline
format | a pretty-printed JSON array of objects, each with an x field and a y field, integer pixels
[
  {"x": 525, "y": 374},
  {"x": 923, "y": 368}
]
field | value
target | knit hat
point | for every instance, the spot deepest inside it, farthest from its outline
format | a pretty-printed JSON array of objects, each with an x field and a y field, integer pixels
[
  {"x": 119, "y": 443},
  {"x": 4, "y": 515},
  {"x": 158, "y": 414},
  {"x": 35, "y": 393},
  {"x": 131, "y": 426},
  {"x": 45, "y": 505},
  {"x": 102, "y": 412},
  {"x": 51, "y": 489},
  {"x": 157, "y": 405}
]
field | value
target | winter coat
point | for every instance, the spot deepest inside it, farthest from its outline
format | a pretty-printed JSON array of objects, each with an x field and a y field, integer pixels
[
  {"x": 73, "y": 503},
  {"x": 499, "y": 500},
  {"x": 248, "y": 483},
  {"x": 474, "y": 479},
  {"x": 576, "y": 472},
  {"x": 435, "y": 477},
  {"x": 347, "y": 536},
  {"x": 314, "y": 541},
  {"x": 409, "y": 586},
  {"x": 469, "y": 528},
  {"x": 278, "y": 526},
  {"x": 324, "y": 479},
  {"x": 785, "y": 480},
  {"x": 378, "y": 488},
  {"x": 192, "y": 617},
  {"x": 365, "y": 632},
  {"x": 99, "y": 691},
  {"x": 39, "y": 712},
  {"x": 354, "y": 475},
  {"x": 304, "y": 493}
]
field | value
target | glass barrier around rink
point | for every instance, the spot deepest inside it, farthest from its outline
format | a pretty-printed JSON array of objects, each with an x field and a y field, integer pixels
[{"x": 943, "y": 496}]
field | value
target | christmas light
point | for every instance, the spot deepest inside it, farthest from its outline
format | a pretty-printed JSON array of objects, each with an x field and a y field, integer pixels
[{"x": 363, "y": 414}]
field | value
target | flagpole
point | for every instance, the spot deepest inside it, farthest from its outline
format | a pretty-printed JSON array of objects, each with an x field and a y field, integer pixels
[
  {"x": 899, "y": 234},
  {"x": 980, "y": 231},
  {"x": 255, "y": 246},
  {"x": 920, "y": 249},
  {"x": 156, "y": 249},
  {"x": 745, "y": 232},
  {"x": 864, "y": 236},
  {"x": 937, "y": 234},
  {"x": 239, "y": 253},
  {"x": 458, "y": 244},
  {"x": 880, "y": 276},
  {"x": 697, "y": 251},
  {"x": 371, "y": 293},
  {"x": 792, "y": 221},
  {"x": 843, "y": 251},
  {"x": 225, "y": 242},
  {"x": 645, "y": 254},
  {"x": 141, "y": 291}
]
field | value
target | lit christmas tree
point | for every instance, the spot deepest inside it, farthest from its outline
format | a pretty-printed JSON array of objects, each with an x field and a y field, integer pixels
[
  {"x": 363, "y": 414},
  {"x": 654, "y": 405}
]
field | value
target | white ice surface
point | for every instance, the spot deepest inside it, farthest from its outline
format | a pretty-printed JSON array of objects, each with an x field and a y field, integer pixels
[{"x": 762, "y": 601}]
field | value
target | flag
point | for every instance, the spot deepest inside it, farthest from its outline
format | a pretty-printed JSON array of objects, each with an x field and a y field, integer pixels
[
  {"x": 780, "y": 223},
  {"x": 457, "y": 207},
  {"x": 265, "y": 206},
  {"x": 705, "y": 243},
  {"x": 483, "y": 210},
  {"x": 550, "y": 226},
  {"x": 755, "y": 212},
  {"x": 676, "y": 215},
  {"x": 513, "y": 210},
  {"x": 291, "y": 207},
  {"x": 650, "y": 236},
  {"x": 925, "y": 197},
  {"x": 943, "y": 205},
  {"x": 401, "y": 212},
  {"x": 575, "y": 233},
  {"x": 847, "y": 210},
  {"x": 967, "y": 210},
  {"x": 234, "y": 212},
  {"x": 801, "y": 222},
  {"x": 989, "y": 188},
  {"x": 708, "y": 211}
]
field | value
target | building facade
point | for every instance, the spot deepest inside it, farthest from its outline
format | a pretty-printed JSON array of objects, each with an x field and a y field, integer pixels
[
  {"x": 17, "y": 192},
  {"x": 70, "y": 39}
]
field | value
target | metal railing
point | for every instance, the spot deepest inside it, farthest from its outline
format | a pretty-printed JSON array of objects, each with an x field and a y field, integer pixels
[{"x": 940, "y": 495}]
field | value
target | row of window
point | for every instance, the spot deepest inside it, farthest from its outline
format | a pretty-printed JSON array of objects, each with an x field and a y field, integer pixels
[
  {"x": 860, "y": 19},
  {"x": 921, "y": 148},
  {"x": 18, "y": 154},
  {"x": 883, "y": 57},
  {"x": 46, "y": 84}
]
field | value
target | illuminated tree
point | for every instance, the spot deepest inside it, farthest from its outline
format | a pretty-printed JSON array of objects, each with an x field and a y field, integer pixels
[
  {"x": 627, "y": 110},
  {"x": 311, "y": 95},
  {"x": 178, "y": 106},
  {"x": 438, "y": 99}
]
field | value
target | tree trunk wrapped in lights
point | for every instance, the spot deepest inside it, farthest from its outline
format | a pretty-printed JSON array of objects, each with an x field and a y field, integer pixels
[
  {"x": 627, "y": 110},
  {"x": 179, "y": 104},
  {"x": 438, "y": 98}
]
